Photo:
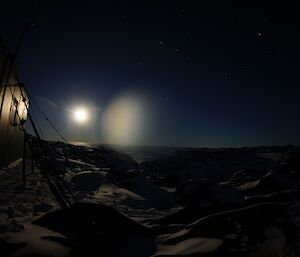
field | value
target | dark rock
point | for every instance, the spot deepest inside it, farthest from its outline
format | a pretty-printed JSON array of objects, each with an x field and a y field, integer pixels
[
  {"x": 42, "y": 207},
  {"x": 91, "y": 227}
]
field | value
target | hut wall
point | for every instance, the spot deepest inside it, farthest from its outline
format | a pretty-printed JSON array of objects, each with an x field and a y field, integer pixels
[{"x": 13, "y": 112}]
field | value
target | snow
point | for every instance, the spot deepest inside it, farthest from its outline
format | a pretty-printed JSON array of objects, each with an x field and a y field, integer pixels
[
  {"x": 142, "y": 193},
  {"x": 272, "y": 156},
  {"x": 231, "y": 236},
  {"x": 112, "y": 194},
  {"x": 190, "y": 246},
  {"x": 189, "y": 202},
  {"x": 249, "y": 185},
  {"x": 38, "y": 242},
  {"x": 20, "y": 204}
]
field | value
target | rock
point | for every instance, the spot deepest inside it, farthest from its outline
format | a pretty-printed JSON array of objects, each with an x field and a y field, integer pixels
[
  {"x": 93, "y": 226},
  {"x": 16, "y": 227},
  {"x": 12, "y": 212},
  {"x": 23, "y": 209},
  {"x": 4, "y": 224},
  {"x": 42, "y": 207}
]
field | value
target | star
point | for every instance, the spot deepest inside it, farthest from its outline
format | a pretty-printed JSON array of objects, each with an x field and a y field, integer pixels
[
  {"x": 259, "y": 34},
  {"x": 225, "y": 76}
]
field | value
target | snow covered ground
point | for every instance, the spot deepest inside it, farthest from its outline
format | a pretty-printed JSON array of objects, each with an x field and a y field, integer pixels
[{"x": 165, "y": 202}]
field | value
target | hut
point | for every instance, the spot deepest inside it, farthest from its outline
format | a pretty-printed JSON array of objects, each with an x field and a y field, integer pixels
[{"x": 14, "y": 104}]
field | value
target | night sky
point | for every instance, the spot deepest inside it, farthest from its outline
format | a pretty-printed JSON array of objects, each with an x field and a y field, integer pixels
[{"x": 162, "y": 73}]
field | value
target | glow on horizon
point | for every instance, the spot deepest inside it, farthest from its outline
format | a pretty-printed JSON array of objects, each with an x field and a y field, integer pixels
[{"x": 124, "y": 119}]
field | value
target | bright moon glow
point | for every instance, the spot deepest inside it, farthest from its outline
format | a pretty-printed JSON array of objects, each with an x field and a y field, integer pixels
[
  {"x": 124, "y": 120},
  {"x": 80, "y": 115}
]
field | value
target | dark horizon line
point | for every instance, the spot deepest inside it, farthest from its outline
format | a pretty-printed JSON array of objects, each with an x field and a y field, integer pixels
[{"x": 72, "y": 142}]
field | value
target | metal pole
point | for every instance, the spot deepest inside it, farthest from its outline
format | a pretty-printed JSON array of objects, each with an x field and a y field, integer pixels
[
  {"x": 12, "y": 60},
  {"x": 34, "y": 127},
  {"x": 32, "y": 161},
  {"x": 24, "y": 161}
]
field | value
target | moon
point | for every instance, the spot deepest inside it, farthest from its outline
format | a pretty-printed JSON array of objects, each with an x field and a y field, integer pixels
[{"x": 80, "y": 115}]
